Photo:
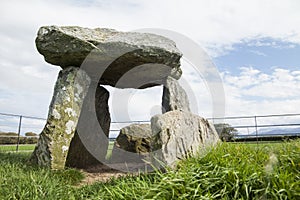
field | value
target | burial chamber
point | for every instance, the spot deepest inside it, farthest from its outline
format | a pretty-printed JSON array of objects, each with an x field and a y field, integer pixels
[{"x": 79, "y": 119}]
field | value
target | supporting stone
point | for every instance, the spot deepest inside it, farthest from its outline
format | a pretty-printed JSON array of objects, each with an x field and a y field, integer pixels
[
  {"x": 179, "y": 135},
  {"x": 53, "y": 145},
  {"x": 174, "y": 97},
  {"x": 88, "y": 147}
]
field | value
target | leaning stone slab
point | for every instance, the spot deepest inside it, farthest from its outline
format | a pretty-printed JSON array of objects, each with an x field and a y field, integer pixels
[
  {"x": 53, "y": 145},
  {"x": 181, "y": 134},
  {"x": 174, "y": 97},
  {"x": 109, "y": 54},
  {"x": 90, "y": 142}
]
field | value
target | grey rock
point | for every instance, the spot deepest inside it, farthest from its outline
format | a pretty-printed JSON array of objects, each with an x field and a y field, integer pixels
[
  {"x": 181, "y": 134},
  {"x": 90, "y": 142},
  {"x": 132, "y": 144},
  {"x": 108, "y": 55},
  {"x": 135, "y": 138},
  {"x": 54, "y": 141},
  {"x": 174, "y": 97}
]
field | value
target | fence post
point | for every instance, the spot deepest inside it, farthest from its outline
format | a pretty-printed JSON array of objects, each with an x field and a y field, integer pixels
[
  {"x": 256, "y": 130},
  {"x": 19, "y": 132}
]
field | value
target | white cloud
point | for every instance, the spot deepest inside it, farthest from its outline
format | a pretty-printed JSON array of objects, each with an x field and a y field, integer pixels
[
  {"x": 26, "y": 81},
  {"x": 209, "y": 22},
  {"x": 259, "y": 53},
  {"x": 255, "y": 92}
]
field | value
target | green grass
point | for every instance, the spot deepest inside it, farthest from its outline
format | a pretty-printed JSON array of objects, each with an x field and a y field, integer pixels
[
  {"x": 22, "y": 147},
  {"x": 19, "y": 180},
  {"x": 30, "y": 147},
  {"x": 231, "y": 171},
  {"x": 109, "y": 149}
]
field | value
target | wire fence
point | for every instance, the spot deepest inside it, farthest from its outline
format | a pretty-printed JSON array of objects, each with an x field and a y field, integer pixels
[{"x": 22, "y": 127}]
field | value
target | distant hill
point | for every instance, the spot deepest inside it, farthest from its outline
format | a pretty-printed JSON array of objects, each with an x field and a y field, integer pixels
[
  {"x": 278, "y": 131},
  {"x": 270, "y": 134},
  {"x": 274, "y": 131}
]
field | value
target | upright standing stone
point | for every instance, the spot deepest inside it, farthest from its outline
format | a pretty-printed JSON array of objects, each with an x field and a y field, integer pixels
[
  {"x": 174, "y": 97},
  {"x": 53, "y": 145},
  {"x": 88, "y": 147},
  {"x": 181, "y": 134}
]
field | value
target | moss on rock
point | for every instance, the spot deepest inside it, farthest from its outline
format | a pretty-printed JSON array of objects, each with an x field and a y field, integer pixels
[{"x": 69, "y": 92}]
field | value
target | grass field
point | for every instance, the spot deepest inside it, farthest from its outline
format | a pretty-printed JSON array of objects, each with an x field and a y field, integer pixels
[
  {"x": 30, "y": 147},
  {"x": 12, "y": 148},
  {"x": 231, "y": 171}
]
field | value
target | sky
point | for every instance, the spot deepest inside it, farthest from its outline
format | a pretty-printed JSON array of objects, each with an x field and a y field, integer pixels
[{"x": 255, "y": 45}]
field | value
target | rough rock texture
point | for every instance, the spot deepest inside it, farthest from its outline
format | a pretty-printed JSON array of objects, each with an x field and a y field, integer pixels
[
  {"x": 82, "y": 155},
  {"x": 53, "y": 145},
  {"x": 135, "y": 138},
  {"x": 121, "y": 51},
  {"x": 181, "y": 134},
  {"x": 174, "y": 97}
]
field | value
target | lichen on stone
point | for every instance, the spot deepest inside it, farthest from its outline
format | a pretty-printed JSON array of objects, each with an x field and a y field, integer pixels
[
  {"x": 56, "y": 114},
  {"x": 64, "y": 148},
  {"x": 64, "y": 111},
  {"x": 70, "y": 127},
  {"x": 70, "y": 112}
]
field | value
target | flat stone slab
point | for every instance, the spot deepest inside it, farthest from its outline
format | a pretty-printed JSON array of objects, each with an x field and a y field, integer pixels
[{"x": 108, "y": 55}]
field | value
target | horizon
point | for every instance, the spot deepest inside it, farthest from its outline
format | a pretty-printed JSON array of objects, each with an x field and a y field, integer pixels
[{"x": 254, "y": 45}]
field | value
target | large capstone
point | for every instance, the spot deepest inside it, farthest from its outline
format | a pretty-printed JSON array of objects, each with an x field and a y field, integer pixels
[
  {"x": 108, "y": 55},
  {"x": 54, "y": 141},
  {"x": 174, "y": 97},
  {"x": 180, "y": 135},
  {"x": 90, "y": 142}
]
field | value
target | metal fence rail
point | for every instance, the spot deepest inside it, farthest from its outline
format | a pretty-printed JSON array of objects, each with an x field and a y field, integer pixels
[
  {"x": 12, "y": 123},
  {"x": 260, "y": 127},
  {"x": 247, "y": 126}
]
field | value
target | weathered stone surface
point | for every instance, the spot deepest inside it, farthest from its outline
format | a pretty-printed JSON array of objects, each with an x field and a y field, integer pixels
[
  {"x": 135, "y": 138},
  {"x": 53, "y": 145},
  {"x": 94, "y": 148},
  {"x": 174, "y": 97},
  {"x": 181, "y": 134},
  {"x": 121, "y": 51}
]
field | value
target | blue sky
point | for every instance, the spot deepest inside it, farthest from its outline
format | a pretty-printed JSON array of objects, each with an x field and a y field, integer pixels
[
  {"x": 265, "y": 54},
  {"x": 255, "y": 44}
]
